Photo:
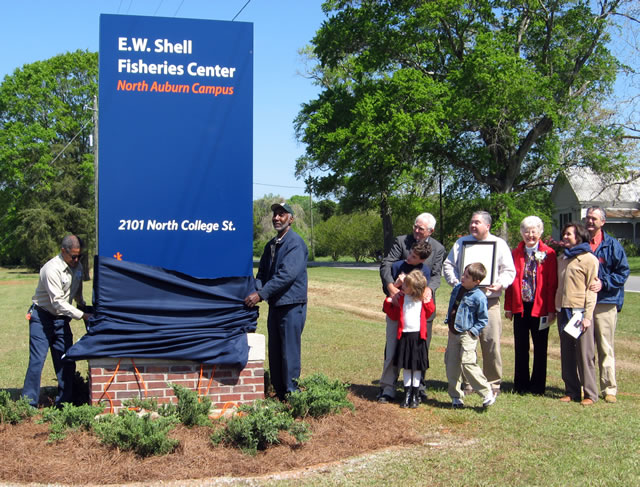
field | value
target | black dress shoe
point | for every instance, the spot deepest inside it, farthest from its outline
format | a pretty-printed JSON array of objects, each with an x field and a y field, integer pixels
[
  {"x": 415, "y": 399},
  {"x": 384, "y": 399},
  {"x": 408, "y": 393}
]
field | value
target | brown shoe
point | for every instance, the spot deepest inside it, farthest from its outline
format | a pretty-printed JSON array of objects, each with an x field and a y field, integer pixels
[
  {"x": 610, "y": 398},
  {"x": 587, "y": 402},
  {"x": 566, "y": 399}
]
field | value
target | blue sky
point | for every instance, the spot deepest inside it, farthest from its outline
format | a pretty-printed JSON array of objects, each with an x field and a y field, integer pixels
[{"x": 34, "y": 30}]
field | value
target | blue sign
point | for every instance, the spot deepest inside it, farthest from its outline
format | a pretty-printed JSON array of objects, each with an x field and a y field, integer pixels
[{"x": 176, "y": 144}]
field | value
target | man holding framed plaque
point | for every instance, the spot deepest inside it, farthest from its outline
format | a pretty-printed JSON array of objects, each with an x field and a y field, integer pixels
[{"x": 494, "y": 253}]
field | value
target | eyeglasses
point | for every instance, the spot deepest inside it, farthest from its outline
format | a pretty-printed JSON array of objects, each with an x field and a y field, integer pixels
[{"x": 73, "y": 257}]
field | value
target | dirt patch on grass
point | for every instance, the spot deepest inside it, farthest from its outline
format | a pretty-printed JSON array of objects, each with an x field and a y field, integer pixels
[{"x": 80, "y": 459}]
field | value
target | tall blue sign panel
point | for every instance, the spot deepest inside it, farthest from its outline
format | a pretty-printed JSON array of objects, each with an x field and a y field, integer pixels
[{"x": 175, "y": 144}]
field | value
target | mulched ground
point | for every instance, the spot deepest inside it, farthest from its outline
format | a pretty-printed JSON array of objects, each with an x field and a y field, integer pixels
[{"x": 81, "y": 459}]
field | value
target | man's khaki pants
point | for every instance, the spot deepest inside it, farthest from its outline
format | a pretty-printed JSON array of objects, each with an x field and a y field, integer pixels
[
  {"x": 605, "y": 318},
  {"x": 490, "y": 344}
]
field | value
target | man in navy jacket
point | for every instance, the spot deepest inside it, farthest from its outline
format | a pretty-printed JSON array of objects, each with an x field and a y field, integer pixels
[
  {"x": 282, "y": 282},
  {"x": 612, "y": 274}
]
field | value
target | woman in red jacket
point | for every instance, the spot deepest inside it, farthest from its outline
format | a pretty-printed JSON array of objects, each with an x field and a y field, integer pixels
[{"x": 530, "y": 301}]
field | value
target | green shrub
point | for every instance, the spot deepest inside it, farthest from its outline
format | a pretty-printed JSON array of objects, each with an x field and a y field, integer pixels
[
  {"x": 151, "y": 404},
  {"x": 630, "y": 248},
  {"x": 258, "y": 425},
  {"x": 148, "y": 404},
  {"x": 192, "y": 410},
  {"x": 14, "y": 412},
  {"x": 140, "y": 434},
  {"x": 319, "y": 396},
  {"x": 69, "y": 417}
]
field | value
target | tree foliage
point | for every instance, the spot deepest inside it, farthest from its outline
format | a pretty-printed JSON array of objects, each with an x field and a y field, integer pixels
[
  {"x": 46, "y": 162},
  {"x": 262, "y": 219},
  {"x": 491, "y": 94},
  {"x": 357, "y": 235}
]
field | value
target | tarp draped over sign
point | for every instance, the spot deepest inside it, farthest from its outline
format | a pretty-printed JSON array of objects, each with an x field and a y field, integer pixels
[{"x": 146, "y": 311}]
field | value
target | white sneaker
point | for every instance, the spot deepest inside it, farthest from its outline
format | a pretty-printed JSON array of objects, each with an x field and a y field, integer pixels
[
  {"x": 457, "y": 403},
  {"x": 489, "y": 400}
]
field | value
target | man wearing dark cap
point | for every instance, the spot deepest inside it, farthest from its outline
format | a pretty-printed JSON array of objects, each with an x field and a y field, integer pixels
[{"x": 282, "y": 282}]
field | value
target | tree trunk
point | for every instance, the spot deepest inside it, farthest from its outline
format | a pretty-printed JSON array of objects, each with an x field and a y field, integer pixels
[{"x": 387, "y": 223}]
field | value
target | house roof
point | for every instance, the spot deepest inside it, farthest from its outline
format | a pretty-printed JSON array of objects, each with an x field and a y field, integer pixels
[{"x": 591, "y": 187}]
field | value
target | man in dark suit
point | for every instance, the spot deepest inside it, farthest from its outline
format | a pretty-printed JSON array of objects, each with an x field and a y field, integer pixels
[{"x": 423, "y": 227}]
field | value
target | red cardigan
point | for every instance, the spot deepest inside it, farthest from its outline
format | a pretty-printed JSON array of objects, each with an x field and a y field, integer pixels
[
  {"x": 546, "y": 283},
  {"x": 396, "y": 313}
]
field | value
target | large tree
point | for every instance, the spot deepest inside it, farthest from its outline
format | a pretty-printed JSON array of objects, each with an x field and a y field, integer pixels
[
  {"x": 486, "y": 92},
  {"x": 46, "y": 162}
]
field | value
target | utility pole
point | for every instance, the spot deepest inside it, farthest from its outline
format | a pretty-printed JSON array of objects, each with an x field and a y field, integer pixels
[
  {"x": 95, "y": 166},
  {"x": 313, "y": 257}
]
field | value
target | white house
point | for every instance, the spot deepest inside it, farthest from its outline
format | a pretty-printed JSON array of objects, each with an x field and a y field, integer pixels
[{"x": 579, "y": 188}]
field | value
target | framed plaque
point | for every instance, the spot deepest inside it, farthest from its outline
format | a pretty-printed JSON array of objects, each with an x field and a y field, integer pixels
[{"x": 483, "y": 252}]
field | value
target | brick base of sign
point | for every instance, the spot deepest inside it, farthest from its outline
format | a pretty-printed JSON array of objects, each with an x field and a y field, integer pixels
[{"x": 114, "y": 380}]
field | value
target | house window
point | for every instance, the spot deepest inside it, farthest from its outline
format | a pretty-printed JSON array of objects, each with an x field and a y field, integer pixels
[{"x": 564, "y": 219}]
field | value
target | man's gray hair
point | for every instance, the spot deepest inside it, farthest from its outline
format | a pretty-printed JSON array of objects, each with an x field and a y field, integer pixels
[
  {"x": 531, "y": 222},
  {"x": 428, "y": 218},
  {"x": 484, "y": 215},
  {"x": 70, "y": 242},
  {"x": 603, "y": 214}
]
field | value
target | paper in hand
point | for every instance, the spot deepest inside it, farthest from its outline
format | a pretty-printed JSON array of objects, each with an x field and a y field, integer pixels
[{"x": 574, "y": 327}]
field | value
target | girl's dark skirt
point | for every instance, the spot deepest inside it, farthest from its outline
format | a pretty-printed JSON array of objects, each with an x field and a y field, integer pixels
[{"x": 411, "y": 352}]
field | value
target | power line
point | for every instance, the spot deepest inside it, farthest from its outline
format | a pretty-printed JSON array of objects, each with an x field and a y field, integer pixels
[
  {"x": 279, "y": 186},
  {"x": 239, "y": 11},
  {"x": 179, "y": 7},
  {"x": 69, "y": 143},
  {"x": 158, "y": 7}
]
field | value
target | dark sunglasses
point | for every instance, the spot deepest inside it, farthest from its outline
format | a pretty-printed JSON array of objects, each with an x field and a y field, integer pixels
[{"x": 73, "y": 257}]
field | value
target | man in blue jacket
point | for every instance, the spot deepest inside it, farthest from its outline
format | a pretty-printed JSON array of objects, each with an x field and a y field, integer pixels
[
  {"x": 612, "y": 274},
  {"x": 282, "y": 282}
]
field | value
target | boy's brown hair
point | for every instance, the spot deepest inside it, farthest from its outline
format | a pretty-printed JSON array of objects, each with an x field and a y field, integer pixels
[
  {"x": 476, "y": 271},
  {"x": 415, "y": 283},
  {"x": 422, "y": 249}
]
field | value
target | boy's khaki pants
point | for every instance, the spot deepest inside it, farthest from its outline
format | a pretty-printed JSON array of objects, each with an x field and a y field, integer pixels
[{"x": 461, "y": 357}]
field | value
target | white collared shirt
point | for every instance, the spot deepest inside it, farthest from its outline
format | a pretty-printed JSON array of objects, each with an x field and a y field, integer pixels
[{"x": 58, "y": 285}]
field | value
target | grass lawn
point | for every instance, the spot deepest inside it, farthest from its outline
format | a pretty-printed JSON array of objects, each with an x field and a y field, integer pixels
[
  {"x": 521, "y": 440},
  {"x": 634, "y": 265}
]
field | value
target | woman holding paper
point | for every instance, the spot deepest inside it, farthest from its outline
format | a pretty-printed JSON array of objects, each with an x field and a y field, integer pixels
[
  {"x": 577, "y": 269},
  {"x": 530, "y": 302}
]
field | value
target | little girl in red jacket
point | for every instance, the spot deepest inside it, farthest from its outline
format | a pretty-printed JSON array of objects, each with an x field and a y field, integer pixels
[{"x": 411, "y": 313}]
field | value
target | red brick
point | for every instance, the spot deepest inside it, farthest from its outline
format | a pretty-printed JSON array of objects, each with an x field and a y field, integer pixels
[
  {"x": 160, "y": 384},
  {"x": 253, "y": 380},
  {"x": 230, "y": 397},
  {"x": 100, "y": 379},
  {"x": 157, "y": 369},
  {"x": 252, "y": 396},
  {"x": 148, "y": 376},
  {"x": 123, "y": 377},
  {"x": 128, "y": 394},
  {"x": 243, "y": 389}
]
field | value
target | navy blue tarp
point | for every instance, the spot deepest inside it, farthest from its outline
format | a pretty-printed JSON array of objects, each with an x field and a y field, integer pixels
[{"x": 143, "y": 311}]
